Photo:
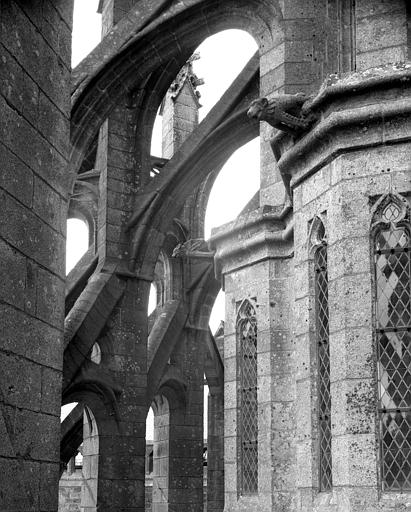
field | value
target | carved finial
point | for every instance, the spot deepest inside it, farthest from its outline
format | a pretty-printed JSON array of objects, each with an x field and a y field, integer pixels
[{"x": 186, "y": 74}]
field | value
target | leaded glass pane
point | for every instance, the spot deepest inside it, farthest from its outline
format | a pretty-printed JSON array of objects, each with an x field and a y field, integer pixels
[
  {"x": 247, "y": 333},
  {"x": 393, "y": 333},
  {"x": 394, "y": 369},
  {"x": 323, "y": 357},
  {"x": 392, "y": 260},
  {"x": 396, "y": 450}
]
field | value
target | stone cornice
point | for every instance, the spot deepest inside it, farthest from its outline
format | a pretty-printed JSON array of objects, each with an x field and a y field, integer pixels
[
  {"x": 355, "y": 111},
  {"x": 254, "y": 237},
  {"x": 381, "y": 77}
]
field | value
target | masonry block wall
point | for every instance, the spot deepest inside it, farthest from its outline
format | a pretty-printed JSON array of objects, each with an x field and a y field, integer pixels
[
  {"x": 381, "y": 32},
  {"x": 300, "y": 52},
  {"x": 342, "y": 194},
  {"x": 266, "y": 284},
  {"x": 35, "y": 52},
  {"x": 358, "y": 152},
  {"x": 258, "y": 271}
]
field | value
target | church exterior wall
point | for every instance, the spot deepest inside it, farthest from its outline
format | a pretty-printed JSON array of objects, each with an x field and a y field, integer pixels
[
  {"x": 35, "y": 50},
  {"x": 342, "y": 194},
  {"x": 356, "y": 154},
  {"x": 351, "y": 59}
]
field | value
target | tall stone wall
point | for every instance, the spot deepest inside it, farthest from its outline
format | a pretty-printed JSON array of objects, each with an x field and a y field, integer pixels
[
  {"x": 259, "y": 270},
  {"x": 342, "y": 193},
  {"x": 357, "y": 151},
  {"x": 35, "y": 51}
]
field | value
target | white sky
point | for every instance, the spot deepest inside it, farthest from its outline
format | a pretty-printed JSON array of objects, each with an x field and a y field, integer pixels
[{"x": 222, "y": 58}]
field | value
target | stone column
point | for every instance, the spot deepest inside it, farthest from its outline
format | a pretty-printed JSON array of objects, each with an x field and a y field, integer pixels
[
  {"x": 186, "y": 425},
  {"x": 121, "y": 473},
  {"x": 35, "y": 51},
  {"x": 178, "y": 483}
]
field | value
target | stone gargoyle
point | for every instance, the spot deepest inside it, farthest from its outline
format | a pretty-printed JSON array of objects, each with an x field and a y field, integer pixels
[
  {"x": 284, "y": 112},
  {"x": 194, "y": 248}
]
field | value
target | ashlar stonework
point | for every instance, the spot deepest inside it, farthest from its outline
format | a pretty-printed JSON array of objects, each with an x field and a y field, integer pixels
[{"x": 309, "y": 407}]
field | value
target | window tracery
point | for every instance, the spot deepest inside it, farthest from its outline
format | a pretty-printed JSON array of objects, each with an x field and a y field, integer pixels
[{"x": 246, "y": 328}]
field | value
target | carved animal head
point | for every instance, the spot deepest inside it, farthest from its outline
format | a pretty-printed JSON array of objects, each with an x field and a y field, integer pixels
[
  {"x": 179, "y": 251},
  {"x": 257, "y": 109}
]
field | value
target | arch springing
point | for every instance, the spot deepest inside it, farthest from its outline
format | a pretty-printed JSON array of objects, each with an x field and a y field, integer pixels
[{"x": 246, "y": 329}]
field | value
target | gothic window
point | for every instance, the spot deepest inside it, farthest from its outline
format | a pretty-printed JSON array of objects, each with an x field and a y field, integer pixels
[
  {"x": 246, "y": 328},
  {"x": 323, "y": 361},
  {"x": 392, "y": 265}
]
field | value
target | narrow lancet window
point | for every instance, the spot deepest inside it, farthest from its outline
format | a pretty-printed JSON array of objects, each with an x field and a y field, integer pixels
[
  {"x": 246, "y": 328},
  {"x": 392, "y": 263},
  {"x": 323, "y": 366}
]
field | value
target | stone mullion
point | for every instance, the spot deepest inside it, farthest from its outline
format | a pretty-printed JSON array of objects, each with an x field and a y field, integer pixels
[
  {"x": 122, "y": 437},
  {"x": 353, "y": 390},
  {"x": 215, "y": 453},
  {"x": 307, "y": 452},
  {"x": 282, "y": 371},
  {"x": 230, "y": 405},
  {"x": 265, "y": 389}
]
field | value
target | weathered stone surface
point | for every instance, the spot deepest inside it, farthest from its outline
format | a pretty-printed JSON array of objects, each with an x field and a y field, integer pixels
[{"x": 337, "y": 170}]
